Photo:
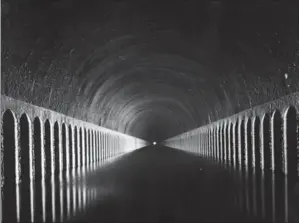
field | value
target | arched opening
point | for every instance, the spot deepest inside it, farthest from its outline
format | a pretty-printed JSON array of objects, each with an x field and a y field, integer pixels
[
  {"x": 242, "y": 165},
  {"x": 48, "y": 147},
  {"x": 218, "y": 155},
  {"x": 37, "y": 140},
  {"x": 226, "y": 143},
  {"x": 57, "y": 149},
  {"x": 91, "y": 149},
  {"x": 202, "y": 145},
  {"x": 258, "y": 169},
  {"x": 291, "y": 149},
  {"x": 70, "y": 148},
  {"x": 268, "y": 201},
  {"x": 82, "y": 147},
  {"x": 189, "y": 140},
  {"x": 64, "y": 149},
  {"x": 291, "y": 161},
  {"x": 86, "y": 138},
  {"x": 25, "y": 167},
  {"x": 9, "y": 167},
  {"x": 102, "y": 145},
  {"x": 231, "y": 141},
  {"x": 242, "y": 148},
  {"x": 237, "y": 131},
  {"x": 213, "y": 154},
  {"x": 215, "y": 144},
  {"x": 58, "y": 156},
  {"x": 276, "y": 142},
  {"x": 65, "y": 156},
  {"x": 114, "y": 147},
  {"x": 222, "y": 147},
  {"x": 277, "y": 166},
  {"x": 75, "y": 159},
  {"x": 249, "y": 164},
  {"x": 48, "y": 172},
  {"x": 117, "y": 144},
  {"x": 249, "y": 147},
  {"x": 112, "y": 144},
  {"x": 71, "y": 166},
  {"x": 202, "y": 148},
  {"x": 108, "y": 145},
  {"x": 96, "y": 146}
]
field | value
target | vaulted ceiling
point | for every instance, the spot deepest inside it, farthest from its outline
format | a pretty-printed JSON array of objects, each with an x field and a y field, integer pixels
[{"x": 151, "y": 69}]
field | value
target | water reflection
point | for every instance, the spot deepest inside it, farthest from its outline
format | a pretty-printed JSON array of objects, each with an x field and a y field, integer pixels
[
  {"x": 84, "y": 196},
  {"x": 43, "y": 199},
  {"x": 271, "y": 197},
  {"x": 53, "y": 195},
  {"x": 32, "y": 199},
  {"x": 50, "y": 199},
  {"x": 61, "y": 203},
  {"x": 18, "y": 206},
  {"x": 74, "y": 198},
  {"x": 68, "y": 195}
]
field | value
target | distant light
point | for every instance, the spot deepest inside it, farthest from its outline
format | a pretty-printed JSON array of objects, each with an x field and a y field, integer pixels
[
  {"x": 286, "y": 76},
  {"x": 154, "y": 143}
]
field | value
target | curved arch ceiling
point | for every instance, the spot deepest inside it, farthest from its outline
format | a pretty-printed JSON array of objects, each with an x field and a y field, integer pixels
[{"x": 145, "y": 68}]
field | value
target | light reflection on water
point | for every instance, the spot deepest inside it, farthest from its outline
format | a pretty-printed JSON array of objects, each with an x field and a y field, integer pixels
[
  {"x": 76, "y": 196},
  {"x": 32, "y": 199},
  {"x": 61, "y": 203},
  {"x": 55, "y": 199},
  {"x": 68, "y": 195},
  {"x": 44, "y": 199},
  {"x": 53, "y": 195},
  {"x": 17, "y": 202}
]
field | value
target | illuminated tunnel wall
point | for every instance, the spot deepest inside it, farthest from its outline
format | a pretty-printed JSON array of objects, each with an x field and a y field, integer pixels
[
  {"x": 260, "y": 148},
  {"x": 43, "y": 152},
  {"x": 136, "y": 67},
  {"x": 149, "y": 69}
]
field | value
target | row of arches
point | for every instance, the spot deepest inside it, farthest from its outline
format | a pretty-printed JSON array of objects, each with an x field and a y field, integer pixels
[
  {"x": 37, "y": 152},
  {"x": 261, "y": 154}
]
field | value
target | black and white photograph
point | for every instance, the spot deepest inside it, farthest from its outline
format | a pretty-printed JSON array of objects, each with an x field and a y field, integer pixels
[{"x": 149, "y": 111}]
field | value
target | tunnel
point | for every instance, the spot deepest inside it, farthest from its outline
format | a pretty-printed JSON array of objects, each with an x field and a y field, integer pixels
[{"x": 149, "y": 111}]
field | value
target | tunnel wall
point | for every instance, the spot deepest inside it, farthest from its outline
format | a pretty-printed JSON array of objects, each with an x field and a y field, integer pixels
[
  {"x": 259, "y": 147},
  {"x": 146, "y": 65},
  {"x": 42, "y": 149}
]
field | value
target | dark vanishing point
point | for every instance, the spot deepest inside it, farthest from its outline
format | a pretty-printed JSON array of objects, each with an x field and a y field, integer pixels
[{"x": 149, "y": 111}]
